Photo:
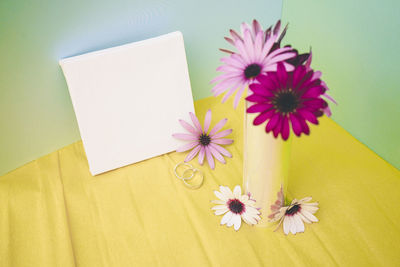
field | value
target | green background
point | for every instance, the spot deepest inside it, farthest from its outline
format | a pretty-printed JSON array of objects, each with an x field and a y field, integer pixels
[{"x": 354, "y": 44}]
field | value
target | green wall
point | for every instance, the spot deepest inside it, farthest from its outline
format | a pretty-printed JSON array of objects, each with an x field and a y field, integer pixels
[
  {"x": 36, "y": 115},
  {"x": 356, "y": 46}
]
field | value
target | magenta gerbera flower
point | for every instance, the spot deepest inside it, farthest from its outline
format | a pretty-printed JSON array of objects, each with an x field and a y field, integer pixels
[
  {"x": 258, "y": 53},
  {"x": 206, "y": 144},
  {"x": 287, "y": 98}
]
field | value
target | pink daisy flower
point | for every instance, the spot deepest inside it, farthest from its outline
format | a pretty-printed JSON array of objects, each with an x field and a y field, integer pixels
[
  {"x": 206, "y": 144},
  {"x": 258, "y": 53},
  {"x": 287, "y": 98}
]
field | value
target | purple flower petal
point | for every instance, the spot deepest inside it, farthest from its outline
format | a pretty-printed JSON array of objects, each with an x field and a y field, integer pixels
[
  {"x": 217, "y": 155},
  {"x": 221, "y": 134},
  {"x": 221, "y": 150},
  {"x": 210, "y": 158},
  {"x": 196, "y": 122},
  {"x": 187, "y": 147},
  {"x": 188, "y": 127},
  {"x": 222, "y": 141},
  {"x": 238, "y": 96},
  {"x": 192, "y": 153},
  {"x": 207, "y": 121},
  {"x": 218, "y": 126},
  {"x": 201, "y": 155}
]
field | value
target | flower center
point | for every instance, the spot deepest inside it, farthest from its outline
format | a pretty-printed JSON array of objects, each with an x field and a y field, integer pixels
[
  {"x": 286, "y": 101},
  {"x": 236, "y": 206},
  {"x": 204, "y": 139},
  {"x": 293, "y": 210},
  {"x": 252, "y": 71}
]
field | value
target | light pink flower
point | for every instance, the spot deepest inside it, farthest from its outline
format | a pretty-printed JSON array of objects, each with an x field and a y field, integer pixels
[
  {"x": 258, "y": 52},
  {"x": 206, "y": 144}
]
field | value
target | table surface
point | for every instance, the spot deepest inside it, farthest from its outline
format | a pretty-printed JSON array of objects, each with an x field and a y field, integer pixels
[{"x": 54, "y": 213}]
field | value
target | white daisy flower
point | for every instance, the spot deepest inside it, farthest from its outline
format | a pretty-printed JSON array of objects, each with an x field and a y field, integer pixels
[
  {"x": 295, "y": 214},
  {"x": 236, "y": 207}
]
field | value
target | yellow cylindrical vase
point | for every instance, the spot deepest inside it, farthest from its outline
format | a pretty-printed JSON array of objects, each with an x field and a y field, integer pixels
[{"x": 265, "y": 166}]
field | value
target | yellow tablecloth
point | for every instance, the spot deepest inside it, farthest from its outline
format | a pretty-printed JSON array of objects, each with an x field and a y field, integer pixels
[{"x": 54, "y": 213}]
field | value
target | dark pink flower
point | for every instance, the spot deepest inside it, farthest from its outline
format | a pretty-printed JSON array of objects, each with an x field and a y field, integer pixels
[{"x": 286, "y": 99}]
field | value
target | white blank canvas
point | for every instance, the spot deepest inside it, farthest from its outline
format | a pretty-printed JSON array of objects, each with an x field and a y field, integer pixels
[{"x": 128, "y": 100}]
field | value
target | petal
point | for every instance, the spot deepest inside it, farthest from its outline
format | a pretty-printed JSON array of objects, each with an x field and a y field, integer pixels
[
  {"x": 262, "y": 89},
  {"x": 188, "y": 127},
  {"x": 217, "y": 155},
  {"x": 226, "y": 218},
  {"x": 207, "y": 120},
  {"x": 293, "y": 226},
  {"x": 282, "y": 75},
  {"x": 309, "y": 216},
  {"x": 248, "y": 44},
  {"x": 231, "y": 91},
  {"x": 221, "y": 134},
  {"x": 272, "y": 123},
  {"x": 286, "y": 225},
  {"x": 263, "y": 117},
  {"x": 304, "y": 125},
  {"x": 257, "y": 98},
  {"x": 308, "y": 115},
  {"x": 201, "y": 155},
  {"x": 298, "y": 223},
  {"x": 277, "y": 129},
  {"x": 261, "y": 107},
  {"x": 221, "y": 196},
  {"x": 247, "y": 218},
  {"x": 237, "y": 221},
  {"x": 196, "y": 122},
  {"x": 221, "y": 211},
  {"x": 304, "y": 218},
  {"x": 218, "y": 201},
  {"x": 187, "y": 137},
  {"x": 226, "y": 191},
  {"x": 237, "y": 191},
  {"x": 221, "y": 150},
  {"x": 218, "y": 126},
  {"x": 210, "y": 158},
  {"x": 238, "y": 96},
  {"x": 222, "y": 141},
  {"x": 192, "y": 153},
  {"x": 296, "y": 126},
  {"x": 186, "y": 147},
  {"x": 285, "y": 128},
  {"x": 219, "y": 207}
]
